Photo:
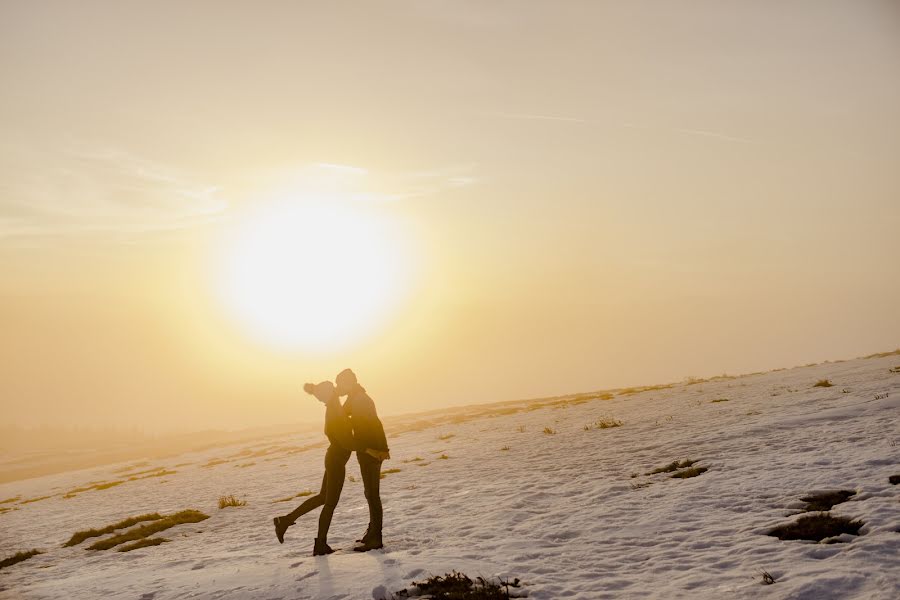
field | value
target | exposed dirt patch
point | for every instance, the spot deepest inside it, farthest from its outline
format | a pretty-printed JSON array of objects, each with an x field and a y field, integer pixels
[
  {"x": 672, "y": 466},
  {"x": 816, "y": 528},
  {"x": 688, "y": 473},
  {"x": 825, "y": 500}
]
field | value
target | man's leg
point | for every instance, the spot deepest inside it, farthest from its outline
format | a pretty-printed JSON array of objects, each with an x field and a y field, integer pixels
[{"x": 370, "y": 470}]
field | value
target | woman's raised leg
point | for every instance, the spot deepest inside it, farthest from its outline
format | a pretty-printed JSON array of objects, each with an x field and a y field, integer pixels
[{"x": 311, "y": 503}]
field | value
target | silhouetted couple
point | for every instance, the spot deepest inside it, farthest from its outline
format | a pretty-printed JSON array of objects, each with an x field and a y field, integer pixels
[{"x": 353, "y": 426}]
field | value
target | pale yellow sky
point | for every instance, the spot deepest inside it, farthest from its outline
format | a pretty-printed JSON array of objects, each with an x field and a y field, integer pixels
[{"x": 596, "y": 194}]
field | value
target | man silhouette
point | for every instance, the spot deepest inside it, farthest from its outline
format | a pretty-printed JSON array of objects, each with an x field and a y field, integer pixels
[{"x": 368, "y": 433}]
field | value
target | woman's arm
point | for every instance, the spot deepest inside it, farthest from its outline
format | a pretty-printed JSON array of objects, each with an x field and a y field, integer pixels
[{"x": 337, "y": 424}]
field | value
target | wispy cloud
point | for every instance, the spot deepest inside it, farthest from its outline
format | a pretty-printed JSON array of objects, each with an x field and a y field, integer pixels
[
  {"x": 342, "y": 169},
  {"x": 531, "y": 117},
  {"x": 715, "y": 134},
  {"x": 83, "y": 190},
  {"x": 434, "y": 181},
  {"x": 89, "y": 190},
  {"x": 680, "y": 130},
  {"x": 363, "y": 184}
]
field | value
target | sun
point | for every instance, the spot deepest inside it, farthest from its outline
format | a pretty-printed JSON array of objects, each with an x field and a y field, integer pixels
[{"x": 314, "y": 275}]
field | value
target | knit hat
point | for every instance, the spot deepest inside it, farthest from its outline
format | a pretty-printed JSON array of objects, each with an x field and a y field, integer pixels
[
  {"x": 322, "y": 391},
  {"x": 346, "y": 380}
]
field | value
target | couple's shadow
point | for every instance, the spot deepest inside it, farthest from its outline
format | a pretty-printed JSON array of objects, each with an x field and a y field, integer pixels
[{"x": 381, "y": 559}]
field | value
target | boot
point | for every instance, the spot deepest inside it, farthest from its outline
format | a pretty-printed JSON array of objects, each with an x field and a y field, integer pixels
[
  {"x": 321, "y": 548},
  {"x": 373, "y": 542},
  {"x": 281, "y": 525}
]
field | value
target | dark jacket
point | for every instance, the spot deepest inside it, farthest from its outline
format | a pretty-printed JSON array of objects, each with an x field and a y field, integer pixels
[{"x": 367, "y": 428}]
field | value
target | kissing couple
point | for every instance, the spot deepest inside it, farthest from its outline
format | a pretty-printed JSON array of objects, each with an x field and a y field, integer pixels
[{"x": 353, "y": 426}]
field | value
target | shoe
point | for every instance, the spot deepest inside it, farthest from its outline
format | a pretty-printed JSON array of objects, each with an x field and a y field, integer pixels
[
  {"x": 321, "y": 548},
  {"x": 373, "y": 543},
  {"x": 280, "y": 527}
]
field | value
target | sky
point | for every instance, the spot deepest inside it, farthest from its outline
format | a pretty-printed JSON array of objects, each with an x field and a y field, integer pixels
[{"x": 581, "y": 195}]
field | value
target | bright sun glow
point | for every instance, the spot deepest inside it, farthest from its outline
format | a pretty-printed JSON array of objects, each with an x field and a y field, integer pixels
[{"x": 314, "y": 276}]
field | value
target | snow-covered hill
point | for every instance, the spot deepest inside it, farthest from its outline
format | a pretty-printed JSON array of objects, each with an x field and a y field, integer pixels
[{"x": 485, "y": 490}]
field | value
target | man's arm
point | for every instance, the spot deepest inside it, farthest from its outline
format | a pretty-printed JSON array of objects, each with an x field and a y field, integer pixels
[{"x": 367, "y": 427}]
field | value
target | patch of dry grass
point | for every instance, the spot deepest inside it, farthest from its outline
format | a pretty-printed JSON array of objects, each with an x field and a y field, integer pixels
[
  {"x": 145, "y": 471},
  {"x": 226, "y": 501},
  {"x": 604, "y": 423},
  {"x": 136, "y": 465},
  {"x": 823, "y": 383},
  {"x": 580, "y": 398},
  {"x": 38, "y": 499},
  {"x": 644, "y": 388},
  {"x": 142, "y": 544},
  {"x": 159, "y": 473},
  {"x": 884, "y": 354},
  {"x": 80, "y": 536},
  {"x": 458, "y": 586},
  {"x": 107, "y": 485},
  {"x": 18, "y": 557},
  {"x": 299, "y": 495},
  {"x": 549, "y": 431},
  {"x": 147, "y": 530},
  {"x": 97, "y": 486},
  {"x": 387, "y": 472}
]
